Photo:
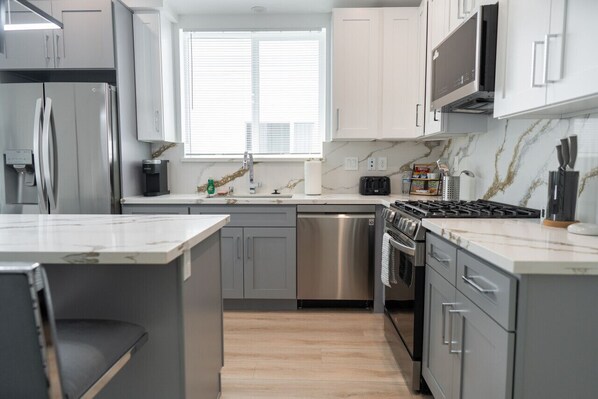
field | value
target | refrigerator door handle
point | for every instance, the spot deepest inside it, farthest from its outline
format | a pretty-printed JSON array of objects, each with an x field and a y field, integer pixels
[
  {"x": 49, "y": 144},
  {"x": 42, "y": 197}
]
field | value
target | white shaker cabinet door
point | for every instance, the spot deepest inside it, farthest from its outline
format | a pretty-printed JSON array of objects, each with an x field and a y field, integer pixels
[
  {"x": 356, "y": 73},
  {"x": 521, "y": 78},
  {"x": 573, "y": 60},
  {"x": 401, "y": 74},
  {"x": 86, "y": 42},
  {"x": 32, "y": 49}
]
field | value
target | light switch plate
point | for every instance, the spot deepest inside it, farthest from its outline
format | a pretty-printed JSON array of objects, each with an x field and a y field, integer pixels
[
  {"x": 371, "y": 163},
  {"x": 382, "y": 163},
  {"x": 351, "y": 163}
]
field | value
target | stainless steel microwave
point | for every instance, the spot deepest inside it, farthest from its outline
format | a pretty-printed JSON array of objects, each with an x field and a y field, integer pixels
[{"x": 464, "y": 65}]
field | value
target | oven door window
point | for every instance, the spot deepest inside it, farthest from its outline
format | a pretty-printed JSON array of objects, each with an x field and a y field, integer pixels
[{"x": 400, "y": 298}]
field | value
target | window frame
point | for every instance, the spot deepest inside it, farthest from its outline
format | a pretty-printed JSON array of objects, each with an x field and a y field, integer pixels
[{"x": 258, "y": 35}]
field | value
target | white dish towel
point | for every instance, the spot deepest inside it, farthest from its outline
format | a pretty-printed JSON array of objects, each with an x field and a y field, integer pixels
[{"x": 387, "y": 260}]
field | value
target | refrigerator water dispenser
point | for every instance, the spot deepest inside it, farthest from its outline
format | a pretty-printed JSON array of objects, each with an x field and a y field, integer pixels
[{"x": 19, "y": 177}]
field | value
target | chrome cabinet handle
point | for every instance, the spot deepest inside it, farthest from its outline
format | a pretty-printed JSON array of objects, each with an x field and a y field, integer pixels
[
  {"x": 547, "y": 38},
  {"x": 338, "y": 119},
  {"x": 534, "y": 56},
  {"x": 433, "y": 255},
  {"x": 249, "y": 248},
  {"x": 451, "y": 341},
  {"x": 417, "y": 115},
  {"x": 238, "y": 247},
  {"x": 459, "y": 9},
  {"x": 57, "y": 52},
  {"x": 435, "y": 119},
  {"x": 46, "y": 46},
  {"x": 470, "y": 280},
  {"x": 465, "y": 10},
  {"x": 443, "y": 307}
]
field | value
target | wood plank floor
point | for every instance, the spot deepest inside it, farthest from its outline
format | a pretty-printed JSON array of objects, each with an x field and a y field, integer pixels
[{"x": 308, "y": 354}]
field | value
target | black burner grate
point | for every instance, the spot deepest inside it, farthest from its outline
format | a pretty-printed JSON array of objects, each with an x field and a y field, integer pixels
[{"x": 465, "y": 209}]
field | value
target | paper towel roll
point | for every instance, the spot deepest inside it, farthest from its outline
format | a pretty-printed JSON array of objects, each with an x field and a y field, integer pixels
[{"x": 313, "y": 177}]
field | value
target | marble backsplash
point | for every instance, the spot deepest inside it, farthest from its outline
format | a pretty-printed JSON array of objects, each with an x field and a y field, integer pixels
[{"x": 511, "y": 163}]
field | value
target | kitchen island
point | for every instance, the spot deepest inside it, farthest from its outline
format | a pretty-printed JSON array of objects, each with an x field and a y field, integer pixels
[{"x": 161, "y": 272}]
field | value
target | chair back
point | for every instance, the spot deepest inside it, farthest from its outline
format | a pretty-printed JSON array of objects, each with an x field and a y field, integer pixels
[{"x": 29, "y": 365}]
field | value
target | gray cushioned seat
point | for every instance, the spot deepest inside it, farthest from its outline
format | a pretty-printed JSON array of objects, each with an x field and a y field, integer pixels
[{"x": 89, "y": 348}]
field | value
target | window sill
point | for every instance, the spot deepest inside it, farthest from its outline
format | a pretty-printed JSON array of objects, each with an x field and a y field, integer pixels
[{"x": 239, "y": 158}]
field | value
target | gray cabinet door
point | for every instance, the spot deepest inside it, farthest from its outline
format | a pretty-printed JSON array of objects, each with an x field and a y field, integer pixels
[
  {"x": 31, "y": 49},
  {"x": 87, "y": 40},
  {"x": 437, "y": 362},
  {"x": 485, "y": 353},
  {"x": 270, "y": 263},
  {"x": 232, "y": 262}
]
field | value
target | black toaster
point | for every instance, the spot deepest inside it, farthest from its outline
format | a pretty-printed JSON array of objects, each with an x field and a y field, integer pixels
[{"x": 374, "y": 185}]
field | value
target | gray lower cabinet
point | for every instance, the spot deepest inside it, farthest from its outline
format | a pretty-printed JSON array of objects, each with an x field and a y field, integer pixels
[
  {"x": 259, "y": 250},
  {"x": 270, "y": 263},
  {"x": 438, "y": 362},
  {"x": 232, "y": 255},
  {"x": 469, "y": 339}
]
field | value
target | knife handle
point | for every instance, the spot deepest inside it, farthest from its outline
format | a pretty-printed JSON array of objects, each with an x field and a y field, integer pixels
[
  {"x": 565, "y": 152},
  {"x": 559, "y": 155},
  {"x": 572, "y": 151}
]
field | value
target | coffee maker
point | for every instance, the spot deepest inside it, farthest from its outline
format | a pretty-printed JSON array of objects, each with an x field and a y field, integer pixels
[{"x": 155, "y": 182}]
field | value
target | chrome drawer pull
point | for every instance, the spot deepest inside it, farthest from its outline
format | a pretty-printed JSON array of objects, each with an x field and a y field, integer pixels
[
  {"x": 475, "y": 285},
  {"x": 438, "y": 258}
]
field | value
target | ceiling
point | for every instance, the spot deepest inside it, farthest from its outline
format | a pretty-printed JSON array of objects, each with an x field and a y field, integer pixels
[{"x": 190, "y": 7}]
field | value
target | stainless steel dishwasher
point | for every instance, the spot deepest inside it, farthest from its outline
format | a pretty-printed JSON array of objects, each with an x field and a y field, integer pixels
[{"x": 335, "y": 254}]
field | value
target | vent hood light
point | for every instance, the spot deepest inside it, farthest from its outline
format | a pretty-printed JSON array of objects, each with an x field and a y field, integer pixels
[{"x": 46, "y": 21}]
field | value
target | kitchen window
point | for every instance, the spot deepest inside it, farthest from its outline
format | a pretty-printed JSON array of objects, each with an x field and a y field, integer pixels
[{"x": 262, "y": 92}]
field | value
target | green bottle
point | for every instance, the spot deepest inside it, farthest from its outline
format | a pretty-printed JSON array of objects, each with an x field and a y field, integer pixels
[{"x": 211, "y": 188}]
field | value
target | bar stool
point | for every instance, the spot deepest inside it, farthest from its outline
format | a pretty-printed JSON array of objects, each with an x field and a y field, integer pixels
[{"x": 41, "y": 357}]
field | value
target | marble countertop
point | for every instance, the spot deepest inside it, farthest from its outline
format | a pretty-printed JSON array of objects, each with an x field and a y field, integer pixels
[
  {"x": 521, "y": 246},
  {"x": 296, "y": 199},
  {"x": 103, "y": 239}
]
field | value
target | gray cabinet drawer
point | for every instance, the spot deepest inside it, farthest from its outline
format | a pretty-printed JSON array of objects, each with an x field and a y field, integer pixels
[
  {"x": 442, "y": 256},
  {"x": 493, "y": 291},
  {"x": 252, "y": 215},
  {"x": 155, "y": 210}
]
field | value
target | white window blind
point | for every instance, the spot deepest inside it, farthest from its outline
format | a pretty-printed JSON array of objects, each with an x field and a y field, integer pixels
[{"x": 262, "y": 92}]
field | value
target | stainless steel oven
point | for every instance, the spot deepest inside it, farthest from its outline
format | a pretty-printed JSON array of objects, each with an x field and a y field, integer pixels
[{"x": 404, "y": 304}]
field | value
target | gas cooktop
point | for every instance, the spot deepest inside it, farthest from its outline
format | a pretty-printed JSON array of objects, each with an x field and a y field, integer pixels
[{"x": 464, "y": 209}]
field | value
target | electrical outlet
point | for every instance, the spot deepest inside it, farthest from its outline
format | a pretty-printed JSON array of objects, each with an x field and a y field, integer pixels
[
  {"x": 351, "y": 163},
  {"x": 382, "y": 163},
  {"x": 371, "y": 163}
]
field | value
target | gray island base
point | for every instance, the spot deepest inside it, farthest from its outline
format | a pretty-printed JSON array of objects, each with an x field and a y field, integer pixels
[{"x": 179, "y": 302}]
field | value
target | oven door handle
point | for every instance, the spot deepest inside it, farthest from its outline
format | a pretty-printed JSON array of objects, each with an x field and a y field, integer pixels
[{"x": 402, "y": 247}]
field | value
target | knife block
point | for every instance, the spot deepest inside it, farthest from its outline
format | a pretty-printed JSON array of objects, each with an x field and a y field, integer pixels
[{"x": 562, "y": 198}]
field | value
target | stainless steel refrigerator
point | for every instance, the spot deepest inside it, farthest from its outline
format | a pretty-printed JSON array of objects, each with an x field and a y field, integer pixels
[{"x": 59, "y": 147}]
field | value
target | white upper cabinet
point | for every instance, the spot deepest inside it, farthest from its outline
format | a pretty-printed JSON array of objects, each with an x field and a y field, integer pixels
[
  {"x": 356, "y": 73},
  {"x": 32, "y": 49},
  {"x": 86, "y": 42},
  {"x": 546, "y": 65},
  {"x": 154, "y": 77},
  {"x": 402, "y": 74},
  {"x": 378, "y": 74}
]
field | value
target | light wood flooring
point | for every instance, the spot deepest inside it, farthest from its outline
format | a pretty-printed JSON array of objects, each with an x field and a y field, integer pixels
[{"x": 309, "y": 354}]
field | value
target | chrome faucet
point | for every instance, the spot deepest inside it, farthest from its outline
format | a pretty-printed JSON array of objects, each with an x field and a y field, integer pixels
[{"x": 248, "y": 164}]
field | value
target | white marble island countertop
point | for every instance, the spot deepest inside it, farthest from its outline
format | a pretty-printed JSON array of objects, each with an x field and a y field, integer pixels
[
  {"x": 103, "y": 239},
  {"x": 521, "y": 246}
]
